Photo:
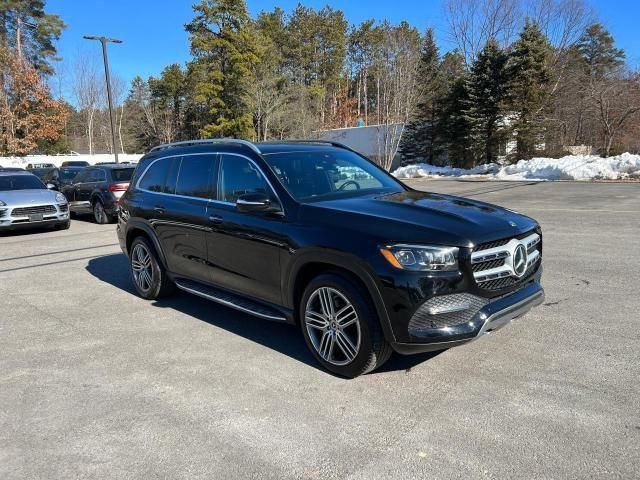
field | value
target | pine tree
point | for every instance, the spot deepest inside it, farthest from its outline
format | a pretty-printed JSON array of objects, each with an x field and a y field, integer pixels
[
  {"x": 422, "y": 137},
  {"x": 26, "y": 29},
  {"x": 487, "y": 92},
  {"x": 529, "y": 88},
  {"x": 224, "y": 46},
  {"x": 456, "y": 126},
  {"x": 596, "y": 47}
]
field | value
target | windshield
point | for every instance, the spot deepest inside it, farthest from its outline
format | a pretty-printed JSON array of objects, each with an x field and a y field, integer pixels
[
  {"x": 20, "y": 182},
  {"x": 320, "y": 173},
  {"x": 122, "y": 174}
]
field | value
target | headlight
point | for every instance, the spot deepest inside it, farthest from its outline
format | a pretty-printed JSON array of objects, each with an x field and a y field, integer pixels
[
  {"x": 422, "y": 257},
  {"x": 2, "y": 204},
  {"x": 60, "y": 198}
]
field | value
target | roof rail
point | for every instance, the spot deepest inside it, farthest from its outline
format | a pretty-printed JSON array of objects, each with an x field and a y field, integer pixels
[
  {"x": 207, "y": 141},
  {"x": 327, "y": 142}
]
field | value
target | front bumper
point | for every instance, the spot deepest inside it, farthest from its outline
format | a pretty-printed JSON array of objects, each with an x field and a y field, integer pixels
[
  {"x": 14, "y": 217},
  {"x": 491, "y": 317}
]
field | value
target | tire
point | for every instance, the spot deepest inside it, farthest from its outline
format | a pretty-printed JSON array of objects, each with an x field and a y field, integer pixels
[
  {"x": 100, "y": 216},
  {"x": 325, "y": 335},
  {"x": 148, "y": 275},
  {"x": 63, "y": 226}
]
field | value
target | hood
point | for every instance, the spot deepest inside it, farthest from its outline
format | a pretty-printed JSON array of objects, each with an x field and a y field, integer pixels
[
  {"x": 414, "y": 216},
  {"x": 38, "y": 196}
]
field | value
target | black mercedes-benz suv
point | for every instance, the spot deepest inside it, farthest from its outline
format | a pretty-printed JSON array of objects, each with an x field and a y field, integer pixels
[{"x": 313, "y": 234}]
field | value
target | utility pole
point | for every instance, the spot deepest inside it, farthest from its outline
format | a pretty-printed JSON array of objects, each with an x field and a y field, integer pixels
[{"x": 103, "y": 41}]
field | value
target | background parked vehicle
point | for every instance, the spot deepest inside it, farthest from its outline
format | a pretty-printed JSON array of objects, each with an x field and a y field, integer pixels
[
  {"x": 75, "y": 163},
  {"x": 43, "y": 173},
  {"x": 26, "y": 202},
  {"x": 33, "y": 166},
  {"x": 57, "y": 177},
  {"x": 96, "y": 190}
]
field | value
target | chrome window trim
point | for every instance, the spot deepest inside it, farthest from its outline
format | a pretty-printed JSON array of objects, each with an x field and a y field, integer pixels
[{"x": 214, "y": 200}]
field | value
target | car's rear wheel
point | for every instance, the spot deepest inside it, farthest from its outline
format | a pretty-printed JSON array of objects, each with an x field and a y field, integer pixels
[
  {"x": 340, "y": 327},
  {"x": 149, "y": 276},
  {"x": 99, "y": 214}
]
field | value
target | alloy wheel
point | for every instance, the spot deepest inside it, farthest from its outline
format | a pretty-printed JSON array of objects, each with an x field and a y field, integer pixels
[
  {"x": 333, "y": 327},
  {"x": 98, "y": 212},
  {"x": 141, "y": 267}
]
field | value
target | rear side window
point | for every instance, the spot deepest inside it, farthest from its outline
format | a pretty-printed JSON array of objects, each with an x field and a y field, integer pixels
[
  {"x": 122, "y": 174},
  {"x": 155, "y": 177},
  {"x": 194, "y": 176}
]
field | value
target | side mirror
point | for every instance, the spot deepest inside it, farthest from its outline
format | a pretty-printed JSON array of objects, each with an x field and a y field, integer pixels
[
  {"x": 51, "y": 186},
  {"x": 254, "y": 202}
]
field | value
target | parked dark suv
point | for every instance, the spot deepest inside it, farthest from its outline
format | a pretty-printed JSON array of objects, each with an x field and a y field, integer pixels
[
  {"x": 314, "y": 234},
  {"x": 98, "y": 189}
]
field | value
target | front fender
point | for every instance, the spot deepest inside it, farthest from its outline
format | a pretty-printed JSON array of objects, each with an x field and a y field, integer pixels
[{"x": 343, "y": 261}]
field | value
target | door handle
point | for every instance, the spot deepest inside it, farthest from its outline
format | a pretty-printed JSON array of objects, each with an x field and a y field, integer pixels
[
  {"x": 215, "y": 219},
  {"x": 159, "y": 209}
]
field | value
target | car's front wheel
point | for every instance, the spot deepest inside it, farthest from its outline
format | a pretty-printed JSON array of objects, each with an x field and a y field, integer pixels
[
  {"x": 149, "y": 276},
  {"x": 340, "y": 327}
]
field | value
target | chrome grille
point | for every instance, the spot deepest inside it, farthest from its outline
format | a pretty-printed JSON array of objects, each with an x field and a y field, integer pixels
[
  {"x": 493, "y": 266},
  {"x": 24, "y": 211}
]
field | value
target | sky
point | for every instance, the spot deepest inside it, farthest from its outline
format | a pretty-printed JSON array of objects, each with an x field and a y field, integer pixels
[{"x": 154, "y": 37}]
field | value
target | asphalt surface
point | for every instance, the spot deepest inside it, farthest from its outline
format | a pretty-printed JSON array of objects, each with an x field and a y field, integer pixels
[{"x": 98, "y": 383}]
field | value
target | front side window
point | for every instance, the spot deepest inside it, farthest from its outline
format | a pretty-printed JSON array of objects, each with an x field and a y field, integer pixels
[
  {"x": 97, "y": 176},
  {"x": 239, "y": 176},
  {"x": 194, "y": 176},
  {"x": 328, "y": 172},
  {"x": 155, "y": 177}
]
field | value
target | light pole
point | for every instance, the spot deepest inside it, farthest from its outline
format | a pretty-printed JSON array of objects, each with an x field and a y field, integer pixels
[{"x": 103, "y": 41}]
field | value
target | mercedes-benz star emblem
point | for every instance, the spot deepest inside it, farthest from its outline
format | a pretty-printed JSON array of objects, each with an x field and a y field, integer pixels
[{"x": 519, "y": 260}]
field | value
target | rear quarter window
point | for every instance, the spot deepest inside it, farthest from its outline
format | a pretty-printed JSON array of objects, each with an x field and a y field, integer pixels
[
  {"x": 122, "y": 174},
  {"x": 154, "y": 178}
]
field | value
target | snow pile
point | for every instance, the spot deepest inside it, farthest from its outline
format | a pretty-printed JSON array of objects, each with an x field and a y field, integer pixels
[
  {"x": 57, "y": 160},
  {"x": 572, "y": 167}
]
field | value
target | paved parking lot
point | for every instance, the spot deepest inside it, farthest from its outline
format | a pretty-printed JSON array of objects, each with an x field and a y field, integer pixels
[{"x": 96, "y": 382}]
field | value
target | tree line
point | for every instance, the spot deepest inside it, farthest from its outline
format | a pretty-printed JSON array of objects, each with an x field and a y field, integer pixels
[{"x": 525, "y": 78}]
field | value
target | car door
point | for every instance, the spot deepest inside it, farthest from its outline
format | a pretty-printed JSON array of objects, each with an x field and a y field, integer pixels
[
  {"x": 244, "y": 248},
  {"x": 86, "y": 189},
  {"x": 179, "y": 190},
  {"x": 70, "y": 190}
]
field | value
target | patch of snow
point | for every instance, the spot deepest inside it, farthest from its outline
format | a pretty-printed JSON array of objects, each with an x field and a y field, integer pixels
[
  {"x": 572, "y": 167},
  {"x": 57, "y": 160}
]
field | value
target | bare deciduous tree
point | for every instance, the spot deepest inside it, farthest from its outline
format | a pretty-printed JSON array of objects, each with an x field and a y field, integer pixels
[
  {"x": 396, "y": 80},
  {"x": 618, "y": 103},
  {"x": 473, "y": 22},
  {"x": 88, "y": 91}
]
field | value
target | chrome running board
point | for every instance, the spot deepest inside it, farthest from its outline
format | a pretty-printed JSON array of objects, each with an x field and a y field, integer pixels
[{"x": 230, "y": 300}]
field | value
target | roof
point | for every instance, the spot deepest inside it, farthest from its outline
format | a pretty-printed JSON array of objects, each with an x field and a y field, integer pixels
[
  {"x": 235, "y": 145},
  {"x": 11, "y": 173},
  {"x": 111, "y": 165}
]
